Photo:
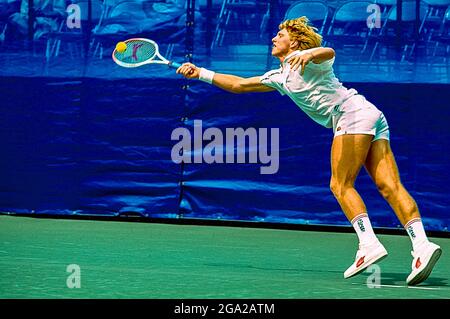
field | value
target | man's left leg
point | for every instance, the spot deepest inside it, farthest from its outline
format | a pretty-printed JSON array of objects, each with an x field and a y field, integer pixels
[{"x": 381, "y": 166}]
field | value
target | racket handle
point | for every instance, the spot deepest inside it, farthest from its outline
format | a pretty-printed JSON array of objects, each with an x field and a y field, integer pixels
[{"x": 174, "y": 65}]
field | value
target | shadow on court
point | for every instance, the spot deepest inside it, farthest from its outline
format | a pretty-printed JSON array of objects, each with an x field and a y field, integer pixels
[{"x": 399, "y": 279}]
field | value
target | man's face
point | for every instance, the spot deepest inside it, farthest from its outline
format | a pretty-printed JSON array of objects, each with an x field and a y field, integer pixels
[{"x": 281, "y": 44}]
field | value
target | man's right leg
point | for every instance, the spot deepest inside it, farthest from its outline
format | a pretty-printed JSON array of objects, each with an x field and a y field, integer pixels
[{"x": 348, "y": 154}]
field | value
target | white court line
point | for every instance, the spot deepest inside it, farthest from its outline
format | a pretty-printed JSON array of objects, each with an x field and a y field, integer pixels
[
  {"x": 424, "y": 288},
  {"x": 396, "y": 286}
]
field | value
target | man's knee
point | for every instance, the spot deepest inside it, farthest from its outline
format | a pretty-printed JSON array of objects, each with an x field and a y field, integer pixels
[
  {"x": 389, "y": 188},
  {"x": 339, "y": 187}
]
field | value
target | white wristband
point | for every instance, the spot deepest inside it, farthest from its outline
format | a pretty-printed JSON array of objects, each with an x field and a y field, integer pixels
[{"x": 206, "y": 75}]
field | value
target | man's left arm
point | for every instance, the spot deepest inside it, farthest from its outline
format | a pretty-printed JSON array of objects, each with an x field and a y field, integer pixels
[
  {"x": 320, "y": 55},
  {"x": 316, "y": 55}
]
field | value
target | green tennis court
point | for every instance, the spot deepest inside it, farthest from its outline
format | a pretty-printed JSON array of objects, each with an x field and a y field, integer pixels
[{"x": 143, "y": 260}]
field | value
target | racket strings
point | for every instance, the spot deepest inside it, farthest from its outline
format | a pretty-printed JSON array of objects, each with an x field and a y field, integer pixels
[{"x": 137, "y": 51}]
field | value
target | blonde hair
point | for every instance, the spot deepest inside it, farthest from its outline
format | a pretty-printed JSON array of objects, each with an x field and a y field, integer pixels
[{"x": 299, "y": 30}]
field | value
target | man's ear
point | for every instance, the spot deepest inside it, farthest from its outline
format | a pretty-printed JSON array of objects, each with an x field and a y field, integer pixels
[{"x": 294, "y": 44}]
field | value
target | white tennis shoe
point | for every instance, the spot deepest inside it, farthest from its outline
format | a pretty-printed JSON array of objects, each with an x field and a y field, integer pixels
[
  {"x": 424, "y": 259},
  {"x": 366, "y": 256}
]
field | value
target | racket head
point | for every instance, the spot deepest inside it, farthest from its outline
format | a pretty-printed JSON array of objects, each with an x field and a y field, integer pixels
[{"x": 139, "y": 51}]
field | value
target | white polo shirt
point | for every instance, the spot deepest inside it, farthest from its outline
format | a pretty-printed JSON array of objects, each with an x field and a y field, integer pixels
[{"x": 318, "y": 92}]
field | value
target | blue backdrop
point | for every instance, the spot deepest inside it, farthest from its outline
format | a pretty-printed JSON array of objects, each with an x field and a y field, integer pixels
[
  {"x": 103, "y": 147},
  {"x": 81, "y": 135}
]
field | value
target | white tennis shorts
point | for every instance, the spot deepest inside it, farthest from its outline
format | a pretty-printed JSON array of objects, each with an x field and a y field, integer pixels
[{"x": 359, "y": 116}]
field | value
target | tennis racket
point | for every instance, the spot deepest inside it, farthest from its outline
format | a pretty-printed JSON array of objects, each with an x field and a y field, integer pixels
[{"x": 140, "y": 51}]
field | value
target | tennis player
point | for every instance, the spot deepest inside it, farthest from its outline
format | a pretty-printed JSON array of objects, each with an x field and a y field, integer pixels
[{"x": 361, "y": 138}]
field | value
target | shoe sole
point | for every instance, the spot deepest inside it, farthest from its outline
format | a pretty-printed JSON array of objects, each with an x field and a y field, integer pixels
[
  {"x": 378, "y": 259},
  {"x": 423, "y": 275}
]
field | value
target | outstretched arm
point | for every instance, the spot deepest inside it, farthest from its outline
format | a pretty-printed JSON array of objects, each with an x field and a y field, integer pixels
[{"x": 227, "y": 82}]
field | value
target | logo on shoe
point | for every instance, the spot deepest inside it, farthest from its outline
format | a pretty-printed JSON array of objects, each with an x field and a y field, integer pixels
[
  {"x": 418, "y": 263},
  {"x": 361, "y": 225},
  {"x": 360, "y": 261}
]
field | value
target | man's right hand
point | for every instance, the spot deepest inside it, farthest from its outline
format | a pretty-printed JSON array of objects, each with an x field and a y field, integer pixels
[{"x": 189, "y": 71}]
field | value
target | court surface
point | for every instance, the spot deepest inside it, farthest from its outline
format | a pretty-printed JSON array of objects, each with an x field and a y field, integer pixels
[{"x": 143, "y": 260}]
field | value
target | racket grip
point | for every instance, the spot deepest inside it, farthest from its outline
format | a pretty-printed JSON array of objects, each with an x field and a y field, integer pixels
[{"x": 174, "y": 65}]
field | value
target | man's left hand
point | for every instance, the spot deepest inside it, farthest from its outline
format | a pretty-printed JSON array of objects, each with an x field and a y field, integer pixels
[{"x": 300, "y": 60}]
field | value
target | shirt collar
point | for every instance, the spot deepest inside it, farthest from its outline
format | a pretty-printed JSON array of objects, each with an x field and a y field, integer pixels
[{"x": 290, "y": 55}]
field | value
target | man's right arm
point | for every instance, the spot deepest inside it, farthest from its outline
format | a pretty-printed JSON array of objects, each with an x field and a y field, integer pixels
[{"x": 227, "y": 82}]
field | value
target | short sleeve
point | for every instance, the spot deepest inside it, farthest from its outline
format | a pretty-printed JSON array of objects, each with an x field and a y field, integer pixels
[
  {"x": 273, "y": 80},
  {"x": 328, "y": 64}
]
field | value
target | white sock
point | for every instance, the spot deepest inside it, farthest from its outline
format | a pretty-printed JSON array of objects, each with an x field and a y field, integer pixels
[
  {"x": 363, "y": 228},
  {"x": 416, "y": 232}
]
